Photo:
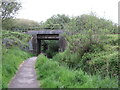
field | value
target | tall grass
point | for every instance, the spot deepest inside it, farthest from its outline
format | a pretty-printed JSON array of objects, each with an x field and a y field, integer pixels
[
  {"x": 11, "y": 59},
  {"x": 89, "y": 61},
  {"x": 12, "y": 56},
  {"x": 0, "y": 60},
  {"x": 52, "y": 75}
]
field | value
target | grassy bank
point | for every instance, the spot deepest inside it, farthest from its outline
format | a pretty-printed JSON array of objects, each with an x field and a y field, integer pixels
[
  {"x": 52, "y": 75},
  {"x": 14, "y": 46},
  {"x": 11, "y": 60},
  {"x": 89, "y": 61}
]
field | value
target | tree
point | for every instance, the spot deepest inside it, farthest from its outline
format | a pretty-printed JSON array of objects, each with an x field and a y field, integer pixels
[
  {"x": 24, "y": 24},
  {"x": 9, "y": 9},
  {"x": 57, "y": 21},
  {"x": 86, "y": 22}
]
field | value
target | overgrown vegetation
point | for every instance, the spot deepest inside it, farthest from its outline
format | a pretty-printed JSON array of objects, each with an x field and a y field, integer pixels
[
  {"x": 79, "y": 23},
  {"x": 11, "y": 60},
  {"x": 53, "y": 75},
  {"x": 9, "y": 9},
  {"x": 10, "y": 39},
  {"x": 91, "y": 56},
  {"x": 12, "y": 55},
  {"x": 50, "y": 47},
  {"x": 20, "y": 25},
  {"x": 90, "y": 59}
]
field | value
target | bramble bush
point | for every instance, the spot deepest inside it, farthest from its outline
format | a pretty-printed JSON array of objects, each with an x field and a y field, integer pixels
[
  {"x": 11, "y": 39},
  {"x": 92, "y": 53}
]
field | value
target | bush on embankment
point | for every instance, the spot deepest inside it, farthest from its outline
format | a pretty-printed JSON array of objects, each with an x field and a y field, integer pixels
[
  {"x": 11, "y": 39},
  {"x": 92, "y": 55},
  {"x": 52, "y": 75}
]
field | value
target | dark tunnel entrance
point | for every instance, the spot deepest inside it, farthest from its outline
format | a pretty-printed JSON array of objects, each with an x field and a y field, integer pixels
[
  {"x": 49, "y": 47},
  {"x": 48, "y": 44},
  {"x": 39, "y": 36}
]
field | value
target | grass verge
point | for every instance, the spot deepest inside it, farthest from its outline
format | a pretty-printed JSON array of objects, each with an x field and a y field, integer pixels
[{"x": 11, "y": 59}]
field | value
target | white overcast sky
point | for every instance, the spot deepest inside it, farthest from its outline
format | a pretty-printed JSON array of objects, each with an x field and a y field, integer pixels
[{"x": 40, "y": 10}]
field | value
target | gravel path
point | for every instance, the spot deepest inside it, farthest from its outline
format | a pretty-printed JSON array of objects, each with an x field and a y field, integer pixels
[{"x": 26, "y": 75}]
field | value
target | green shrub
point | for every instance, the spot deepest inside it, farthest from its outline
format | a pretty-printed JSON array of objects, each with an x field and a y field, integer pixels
[
  {"x": 104, "y": 63},
  {"x": 11, "y": 39},
  {"x": 112, "y": 39},
  {"x": 91, "y": 56},
  {"x": 50, "y": 47}
]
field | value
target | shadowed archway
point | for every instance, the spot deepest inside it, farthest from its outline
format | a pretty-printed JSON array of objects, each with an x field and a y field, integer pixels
[{"x": 37, "y": 36}]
